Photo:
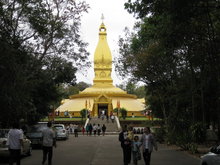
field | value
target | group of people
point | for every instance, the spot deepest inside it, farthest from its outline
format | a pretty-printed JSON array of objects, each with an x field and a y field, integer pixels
[
  {"x": 138, "y": 131},
  {"x": 95, "y": 129},
  {"x": 15, "y": 143},
  {"x": 103, "y": 115},
  {"x": 132, "y": 145},
  {"x": 73, "y": 128}
]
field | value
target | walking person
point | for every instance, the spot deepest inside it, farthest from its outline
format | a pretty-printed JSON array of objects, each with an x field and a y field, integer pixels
[
  {"x": 107, "y": 118},
  {"x": 71, "y": 129},
  {"x": 148, "y": 143},
  {"x": 99, "y": 129},
  {"x": 103, "y": 116},
  {"x": 94, "y": 129},
  {"x": 83, "y": 130},
  {"x": 136, "y": 150},
  {"x": 112, "y": 118},
  {"x": 15, "y": 142},
  {"x": 48, "y": 142},
  {"x": 90, "y": 129},
  {"x": 87, "y": 129},
  {"x": 125, "y": 145},
  {"x": 76, "y": 130},
  {"x": 103, "y": 130}
]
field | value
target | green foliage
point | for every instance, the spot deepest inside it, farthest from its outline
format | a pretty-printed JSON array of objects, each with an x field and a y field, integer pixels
[
  {"x": 140, "y": 91},
  {"x": 68, "y": 90},
  {"x": 130, "y": 88},
  {"x": 160, "y": 134},
  {"x": 198, "y": 132},
  {"x": 174, "y": 49},
  {"x": 133, "y": 88},
  {"x": 193, "y": 148},
  {"x": 82, "y": 85},
  {"x": 83, "y": 113},
  {"x": 117, "y": 110},
  {"x": 123, "y": 112},
  {"x": 38, "y": 41}
]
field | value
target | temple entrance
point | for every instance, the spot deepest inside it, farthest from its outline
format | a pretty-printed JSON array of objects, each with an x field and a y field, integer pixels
[
  {"x": 102, "y": 105},
  {"x": 102, "y": 109}
]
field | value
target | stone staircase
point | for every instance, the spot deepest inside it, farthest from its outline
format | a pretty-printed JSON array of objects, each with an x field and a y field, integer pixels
[{"x": 111, "y": 127}]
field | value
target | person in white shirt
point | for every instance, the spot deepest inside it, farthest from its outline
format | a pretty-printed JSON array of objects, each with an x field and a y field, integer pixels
[
  {"x": 148, "y": 143},
  {"x": 15, "y": 142},
  {"x": 94, "y": 129},
  {"x": 112, "y": 118},
  {"x": 48, "y": 143}
]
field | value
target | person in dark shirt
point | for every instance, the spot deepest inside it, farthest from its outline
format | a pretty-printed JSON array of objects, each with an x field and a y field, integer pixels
[{"x": 125, "y": 145}]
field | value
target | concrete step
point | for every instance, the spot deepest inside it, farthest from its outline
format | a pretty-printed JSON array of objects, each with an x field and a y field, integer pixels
[{"x": 110, "y": 126}]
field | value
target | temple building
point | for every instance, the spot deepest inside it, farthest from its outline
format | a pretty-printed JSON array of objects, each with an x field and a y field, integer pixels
[{"x": 102, "y": 95}]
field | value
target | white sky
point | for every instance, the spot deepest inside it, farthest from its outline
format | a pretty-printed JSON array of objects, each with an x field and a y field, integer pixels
[{"x": 116, "y": 18}]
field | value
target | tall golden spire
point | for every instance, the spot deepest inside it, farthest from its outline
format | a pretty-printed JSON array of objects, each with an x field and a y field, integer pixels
[{"x": 102, "y": 59}]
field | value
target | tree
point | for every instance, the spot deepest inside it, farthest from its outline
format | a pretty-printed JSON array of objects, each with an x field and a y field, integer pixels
[
  {"x": 51, "y": 27},
  {"x": 71, "y": 89},
  {"x": 140, "y": 91},
  {"x": 40, "y": 44},
  {"x": 83, "y": 113},
  {"x": 133, "y": 88},
  {"x": 175, "y": 49},
  {"x": 82, "y": 85},
  {"x": 130, "y": 88},
  {"x": 123, "y": 112}
]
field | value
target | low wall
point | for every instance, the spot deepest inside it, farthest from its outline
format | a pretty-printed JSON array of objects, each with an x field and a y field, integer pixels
[{"x": 140, "y": 123}]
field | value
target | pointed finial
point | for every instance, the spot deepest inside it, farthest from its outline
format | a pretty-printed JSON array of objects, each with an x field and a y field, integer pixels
[{"x": 102, "y": 17}]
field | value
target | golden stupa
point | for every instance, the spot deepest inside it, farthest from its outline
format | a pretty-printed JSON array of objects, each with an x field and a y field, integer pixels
[{"x": 102, "y": 95}]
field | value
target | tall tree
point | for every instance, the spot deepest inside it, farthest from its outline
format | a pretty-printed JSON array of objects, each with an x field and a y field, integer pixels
[
  {"x": 175, "y": 51},
  {"x": 40, "y": 47},
  {"x": 47, "y": 28}
]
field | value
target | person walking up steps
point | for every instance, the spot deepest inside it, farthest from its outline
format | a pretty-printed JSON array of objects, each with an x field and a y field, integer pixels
[
  {"x": 113, "y": 118},
  {"x": 107, "y": 118},
  {"x": 48, "y": 142}
]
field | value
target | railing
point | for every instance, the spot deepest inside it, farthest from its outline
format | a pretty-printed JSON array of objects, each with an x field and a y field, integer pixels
[
  {"x": 87, "y": 120},
  {"x": 118, "y": 123}
]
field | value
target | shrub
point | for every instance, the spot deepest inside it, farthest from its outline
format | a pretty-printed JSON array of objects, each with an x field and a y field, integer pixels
[
  {"x": 83, "y": 113},
  {"x": 123, "y": 112},
  {"x": 198, "y": 132},
  {"x": 160, "y": 134}
]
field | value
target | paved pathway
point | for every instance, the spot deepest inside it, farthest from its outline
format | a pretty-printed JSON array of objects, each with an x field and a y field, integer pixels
[{"x": 104, "y": 151}]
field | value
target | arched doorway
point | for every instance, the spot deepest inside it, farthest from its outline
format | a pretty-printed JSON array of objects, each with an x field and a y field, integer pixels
[
  {"x": 103, "y": 104},
  {"x": 102, "y": 109}
]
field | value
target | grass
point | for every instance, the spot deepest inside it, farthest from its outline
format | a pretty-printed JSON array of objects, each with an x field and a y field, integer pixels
[
  {"x": 64, "y": 119},
  {"x": 137, "y": 119}
]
